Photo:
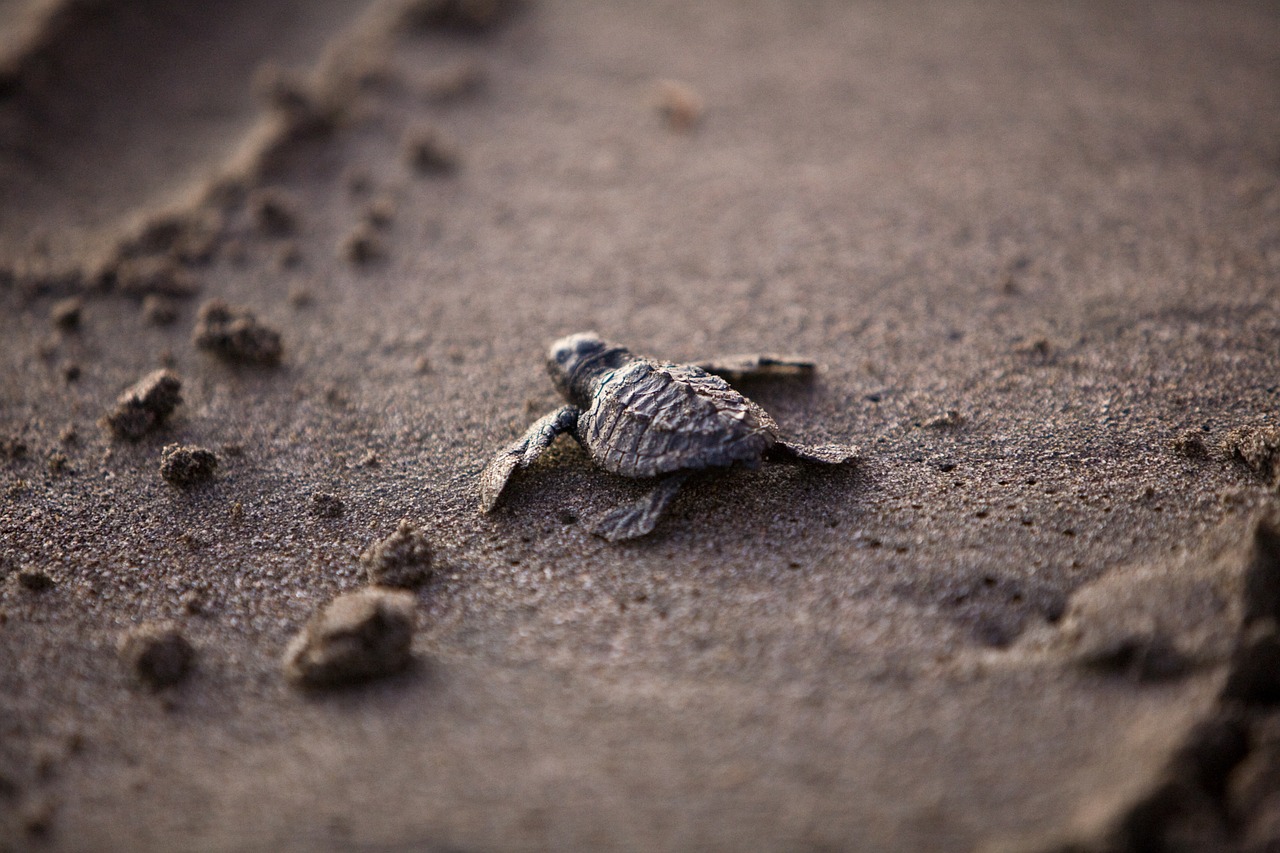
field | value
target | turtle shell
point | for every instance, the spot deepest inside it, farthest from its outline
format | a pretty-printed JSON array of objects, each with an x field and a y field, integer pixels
[{"x": 647, "y": 419}]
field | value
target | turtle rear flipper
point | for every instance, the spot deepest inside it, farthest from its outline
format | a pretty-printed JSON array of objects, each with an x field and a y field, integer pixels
[
  {"x": 734, "y": 368},
  {"x": 523, "y": 452},
  {"x": 636, "y": 519},
  {"x": 821, "y": 454}
]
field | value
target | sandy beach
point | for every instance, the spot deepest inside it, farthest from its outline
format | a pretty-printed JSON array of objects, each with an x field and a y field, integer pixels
[{"x": 276, "y": 277}]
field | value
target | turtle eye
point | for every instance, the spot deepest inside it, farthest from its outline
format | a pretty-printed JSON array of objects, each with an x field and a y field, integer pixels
[{"x": 573, "y": 348}]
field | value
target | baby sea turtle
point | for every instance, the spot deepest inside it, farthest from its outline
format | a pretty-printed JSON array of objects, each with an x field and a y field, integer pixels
[{"x": 648, "y": 419}]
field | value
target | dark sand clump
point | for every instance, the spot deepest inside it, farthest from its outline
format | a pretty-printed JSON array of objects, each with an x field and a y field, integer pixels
[
  {"x": 274, "y": 212},
  {"x": 66, "y": 313},
  {"x": 466, "y": 15},
  {"x": 327, "y": 505},
  {"x": 234, "y": 333},
  {"x": 58, "y": 462},
  {"x": 356, "y": 637},
  {"x": 158, "y": 310},
  {"x": 1257, "y": 448},
  {"x": 35, "y": 580},
  {"x": 1190, "y": 444},
  {"x": 362, "y": 245},
  {"x": 403, "y": 559},
  {"x": 145, "y": 406},
  {"x": 428, "y": 152},
  {"x": 187, "y": 466},
  {"x": 157, "y": 654},
  {"x": 140, "y": 277}
]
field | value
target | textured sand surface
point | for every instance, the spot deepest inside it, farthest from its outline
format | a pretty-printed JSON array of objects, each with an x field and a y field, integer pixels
[{"x": 997, "y": 631}]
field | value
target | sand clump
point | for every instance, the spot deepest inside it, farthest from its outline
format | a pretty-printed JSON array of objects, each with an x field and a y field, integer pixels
[
  {"x": 35, "y": 580},
  {"x": 67, "y": 313},
  {"x": 403, "y": 559},
  {"x": 428, "y": 152},
  {"x": 274, "y": 212},
  {"x": 453, "y": 82},
  {"x": 187, "y": 466},
  {"x": 327, "y": 505},
  {"x": 947, "y": 420},
  {"x": 678, "y": 104},
  {"x": 234, "y": 334},
  {"x": 140, "y": 277},
  {"x": 1190, "y": 443},
  {"x": 13, "y": 448},
  {"x": 362, "y": 245},
  {"x": 358, "y": 636},
  {"x": 158, "y": 310},
  {"x": 58, "y": 462},
  {"x": 156, "y": 654},
  {"x": 1256, "y": 448},
  {"x": 145, "y": 406},
  {"x": 380, "y": 212},
  {"x": 465, "y": 15}
]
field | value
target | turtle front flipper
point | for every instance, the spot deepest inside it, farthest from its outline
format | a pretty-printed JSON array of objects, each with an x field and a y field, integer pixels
[
  {"x": 735, "y": 368},
  {"x": 523, "y": 452},
  {"x": 636, "y": 519},
  {"x": 822, "y": 454}
]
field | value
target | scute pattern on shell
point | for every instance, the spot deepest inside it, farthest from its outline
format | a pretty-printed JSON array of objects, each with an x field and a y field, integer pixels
[{"x": 648, "y": 419}]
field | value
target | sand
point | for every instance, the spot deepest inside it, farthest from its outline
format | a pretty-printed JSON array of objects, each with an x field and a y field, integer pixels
[{"x": 1031, "y": 248}]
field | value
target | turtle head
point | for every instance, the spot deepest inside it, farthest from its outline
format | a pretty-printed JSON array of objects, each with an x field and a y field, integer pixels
[{"x": 577, "y": 361}]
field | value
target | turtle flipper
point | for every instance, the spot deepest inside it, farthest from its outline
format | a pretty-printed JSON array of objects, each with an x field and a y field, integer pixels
[
  {"x": 822, "y": 454},
  {"x": 522, "y": 452},
  {"x": 636, "y": 519},
  {"x": 734, "y": 368}
]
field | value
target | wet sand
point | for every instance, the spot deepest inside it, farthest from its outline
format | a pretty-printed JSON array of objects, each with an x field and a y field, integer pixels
[{"x": 1033, "y": 250}]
